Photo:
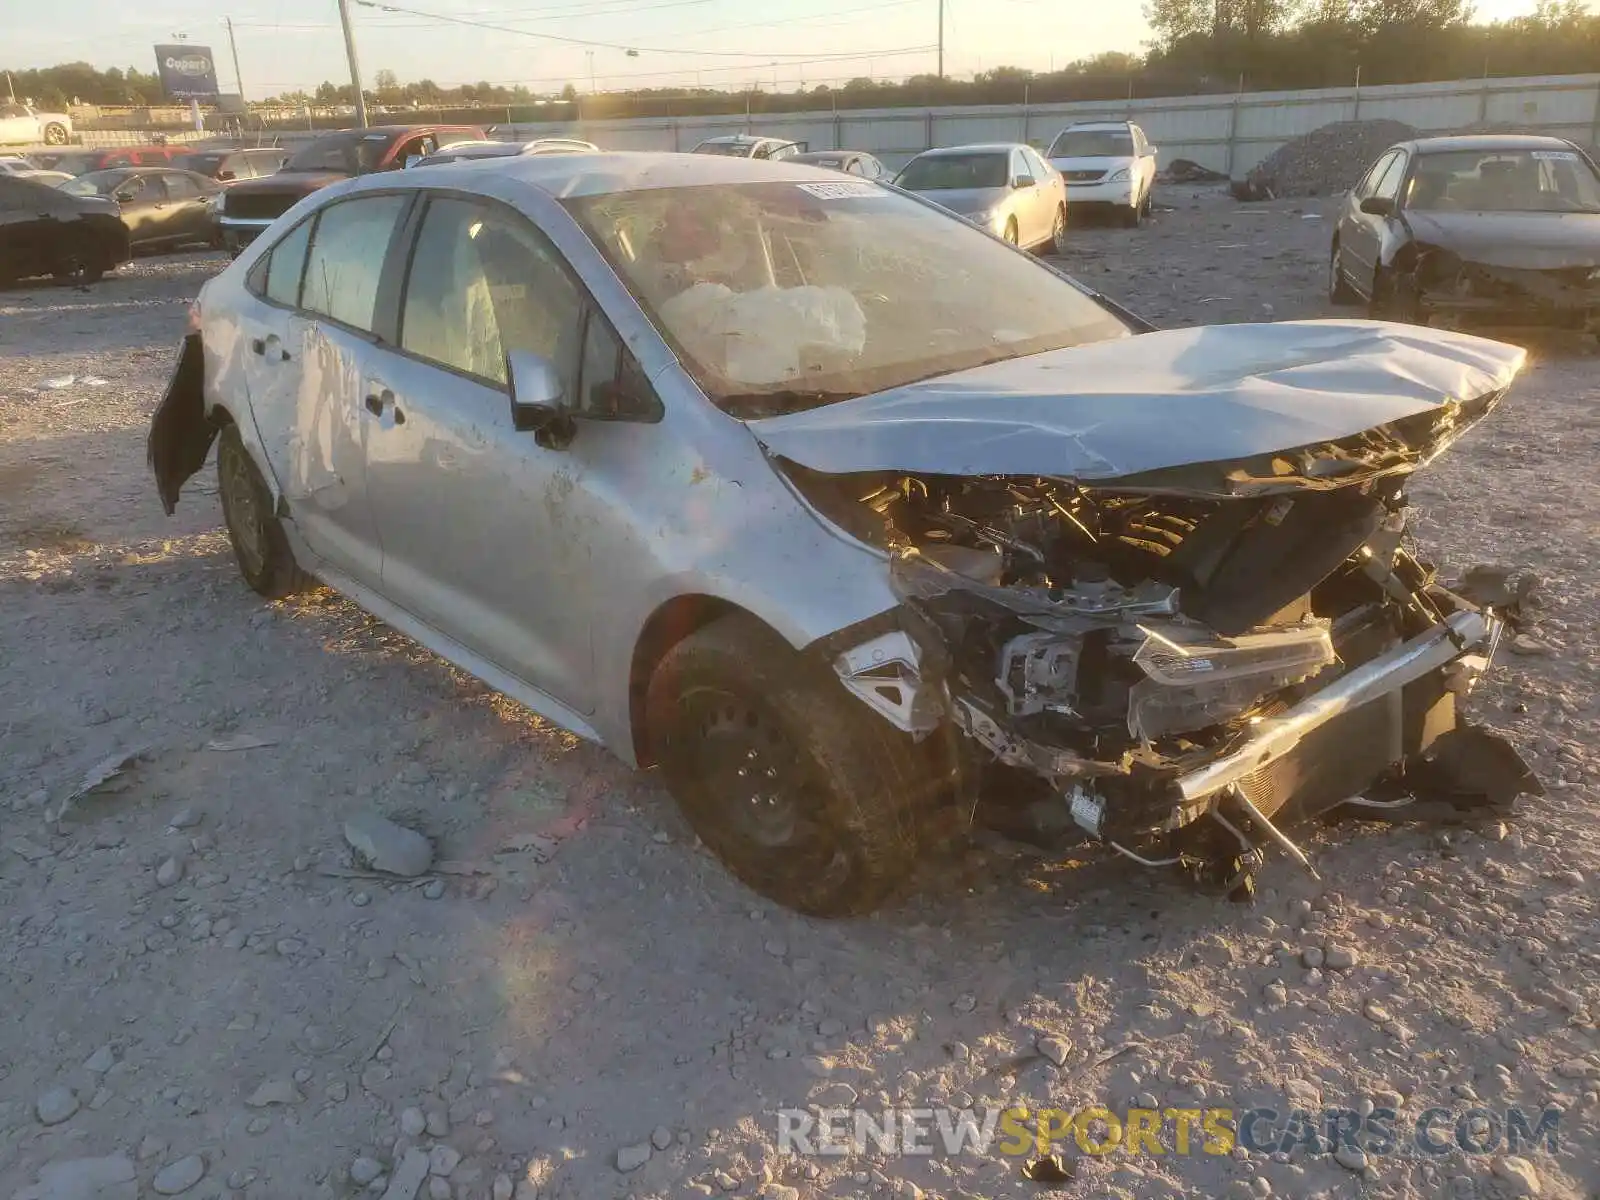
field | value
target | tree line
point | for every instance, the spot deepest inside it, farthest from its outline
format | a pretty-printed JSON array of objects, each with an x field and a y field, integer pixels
[{"x": 1197, "y": 47}]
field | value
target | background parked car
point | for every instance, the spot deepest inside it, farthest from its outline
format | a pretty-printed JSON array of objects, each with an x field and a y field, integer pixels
[
  {"x": 230, "y": 166},
  {"x": 159, "y": 205},
  {"x": 1107, "y": 164},
  {"x": 851, "y": 162},
  {"x": 493, "y": 149},
  {"x": 24, "y": 125},
  {"x": 1497, "y": 230},
  {"x": 1004, "y": 187},
  {"x": 81, "y": 162},
  {"x": 744, "y": 145},
  {"x": 45, "y": 231},
  {"x": 249, "y": 206},
  {"x": 20, "y": 167}
]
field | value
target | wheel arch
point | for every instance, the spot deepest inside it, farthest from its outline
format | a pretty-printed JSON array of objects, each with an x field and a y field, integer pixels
[{"x": 669, "y": 624}]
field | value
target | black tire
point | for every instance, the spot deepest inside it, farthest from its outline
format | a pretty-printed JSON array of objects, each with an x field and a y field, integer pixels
[
  {"x": 1149, "y": 202},
  {"x": 55, "y": 134},
  {"x": 1131, "y": 217},
  {"x": 259, "y": 545},
  {"x": 1395, "y": 299},
  {"x": 81, "y": 267},
  {"x": 835, "y": 832},
  {"x": 1339, "y": 290}
]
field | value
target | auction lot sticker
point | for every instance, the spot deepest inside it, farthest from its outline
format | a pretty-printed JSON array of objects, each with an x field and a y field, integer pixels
[{"x": 840, "y": 191}]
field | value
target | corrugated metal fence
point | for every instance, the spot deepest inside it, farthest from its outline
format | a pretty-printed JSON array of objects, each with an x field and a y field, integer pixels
[{"x": 1226, "y": 133}]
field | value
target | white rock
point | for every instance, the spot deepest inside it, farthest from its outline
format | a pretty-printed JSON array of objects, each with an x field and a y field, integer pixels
[
  {"x": 274, "y": 1091},
  {"x": 178, "y": 1177},
  {"x": 438, "y": 1125},
  {"x": 101, "y": 1061},
  {"x": 113, "y": 1177},
  {"x": 364, "y": 1170},
  {"x": 443, "y": 1159},
  {"x": 503, "y": 1187},
  {"x": 1351, "y": 1158},
  {"x": 438, "y": 1188},
  {"x": 1055, "y": 1049},
  {"x": 1517, "y": 1176},
  {"x": 169, "y": 872},
  {"x": 55, "y": 1106},
  {"x": 186, "y": 817},
  {"x": 408, "y": 1176},
  {"x": 1338, "y": 958},
  {"x": 412, "y": 1122},
  {"x": 631, "y": 1158},
  {"x": 386, "y": 846}
]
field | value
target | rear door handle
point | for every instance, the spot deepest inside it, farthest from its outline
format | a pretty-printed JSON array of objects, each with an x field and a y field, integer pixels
[
  {"x": 259, "y": 346},
  {"x": 381, "y": 399}
]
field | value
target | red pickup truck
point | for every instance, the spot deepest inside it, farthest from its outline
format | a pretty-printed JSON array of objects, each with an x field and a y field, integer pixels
[{"x": 251, "y": 205}]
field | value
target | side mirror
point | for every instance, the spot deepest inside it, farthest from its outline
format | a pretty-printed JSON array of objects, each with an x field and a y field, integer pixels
[
  {"x": 1378, "y": 206},
  {"x": 1021, "y": 181},
  {"x": 538, "y": 405}
]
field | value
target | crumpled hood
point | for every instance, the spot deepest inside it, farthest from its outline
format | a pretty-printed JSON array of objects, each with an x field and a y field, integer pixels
[
  {"x": 1531, "y": 241},
  {"x": 1151, "y": 402}
]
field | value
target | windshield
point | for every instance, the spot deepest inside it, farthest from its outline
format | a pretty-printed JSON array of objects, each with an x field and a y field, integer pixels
[
  {"x": 950, "y": 172},
  {"x": 206, "y": 164},
  {"x": 72, "y": 164},
  {"x": 352, "y": 153},
  {"x": 95, "y": 183},
  {"x": 783, "y": 296},
  {"x": 731, "y": 149},
  {"x": 1503, "y": 181},
  {"x": 1092, "y": 143}
]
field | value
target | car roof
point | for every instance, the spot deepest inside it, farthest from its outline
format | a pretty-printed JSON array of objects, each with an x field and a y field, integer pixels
[
  {"x": 1485, "y": 141},
  {"x": 1100, "y": 125},
  {"x": 568, "y": 175},
  {"x": 974, "y": 148}
]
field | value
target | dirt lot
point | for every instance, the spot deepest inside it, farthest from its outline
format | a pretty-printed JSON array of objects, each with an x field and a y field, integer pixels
[{"x": 183, "y": 955}]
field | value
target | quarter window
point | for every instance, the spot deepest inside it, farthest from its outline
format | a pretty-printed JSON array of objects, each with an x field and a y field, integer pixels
[
  {"x": 286, "y": 264},
  {"x": 346, "y": 259},
  {"x": 482, "y": 283}
]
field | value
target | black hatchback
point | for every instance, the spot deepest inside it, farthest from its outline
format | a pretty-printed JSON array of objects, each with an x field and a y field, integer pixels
[{"x": 44, "y": 231}]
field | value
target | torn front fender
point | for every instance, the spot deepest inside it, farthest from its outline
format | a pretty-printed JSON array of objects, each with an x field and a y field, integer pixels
[{"x": 180, "y": 434}]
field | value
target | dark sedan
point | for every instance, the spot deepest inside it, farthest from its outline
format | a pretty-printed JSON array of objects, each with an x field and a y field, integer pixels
[
  {"x": 44, "y": 231},
  {"x": 160, "y": 206},
  {"x": 1495, "y": 231},
  {"x": 851, "y": 162}
]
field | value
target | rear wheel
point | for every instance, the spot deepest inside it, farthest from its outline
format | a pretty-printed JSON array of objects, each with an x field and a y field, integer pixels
[
  {"x": 1058, "y": 232},
  {"x": 55, "y": 134},
  {"x": 259, "y": 545},
  {"x": 80, "y": 266},
  {"x": 805, "y": 796},
  {"x": 1132, "y": 216}
]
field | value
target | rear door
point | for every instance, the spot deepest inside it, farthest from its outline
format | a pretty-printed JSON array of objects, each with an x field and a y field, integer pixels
[
  {"x": 186, "y": 207},
  {"x": 143, "y": 200},
  {"x": 323, "y": 453}
]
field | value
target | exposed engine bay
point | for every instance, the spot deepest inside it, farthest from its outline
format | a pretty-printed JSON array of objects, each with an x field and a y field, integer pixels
[{"x": 1136, "y": 662}]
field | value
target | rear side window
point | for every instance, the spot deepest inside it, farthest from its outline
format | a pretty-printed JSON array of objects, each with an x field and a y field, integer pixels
[
  {"x": 285, "y": 265},
  {"x": 181, "y": 187},
  {"x": 346, "y": 259}
]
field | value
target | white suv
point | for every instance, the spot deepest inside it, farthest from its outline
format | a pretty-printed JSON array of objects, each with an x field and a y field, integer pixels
[{"x": 1107, "y": 163}]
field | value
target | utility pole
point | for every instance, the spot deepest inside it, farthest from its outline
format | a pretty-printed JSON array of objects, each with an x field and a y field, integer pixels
[
  {"x": 238, "y": 78},
  {"x": 355, "y": 65},
  {"x": 592, "y": 86},
  {"x": 941, "y": 39}
]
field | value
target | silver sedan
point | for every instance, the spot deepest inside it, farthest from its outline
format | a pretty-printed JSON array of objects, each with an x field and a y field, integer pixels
[
  {"x": 1006, "y": 188},
  {"x": 854, "y": 520}
]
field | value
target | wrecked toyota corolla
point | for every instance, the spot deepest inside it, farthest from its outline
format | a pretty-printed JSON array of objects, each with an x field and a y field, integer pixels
[
  {"x": 1484, "y": 231},
  {"x": 855, "y": 520}
]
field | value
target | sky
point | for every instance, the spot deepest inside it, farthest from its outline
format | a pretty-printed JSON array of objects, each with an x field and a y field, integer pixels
[{"x": 289, "y": 44}]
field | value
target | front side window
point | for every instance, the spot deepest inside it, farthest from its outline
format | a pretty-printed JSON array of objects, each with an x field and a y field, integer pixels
[
  {"x": 483, "y": 282},
  {"x": 348, "y": 153},
  {"x": 346, "y": 258},
  {"x": 1019, "y": 167},
  {"x": 1369, "y": 183},
  {"x": 782, "y": 296}
]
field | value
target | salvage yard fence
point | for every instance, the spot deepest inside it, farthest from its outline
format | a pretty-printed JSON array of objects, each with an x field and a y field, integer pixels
[{"x": 1230, "y": 134}]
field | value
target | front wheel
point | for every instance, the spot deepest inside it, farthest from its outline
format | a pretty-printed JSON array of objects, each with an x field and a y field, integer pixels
[
  {"x": 1133, "y": 215},
  {"x": 55, "y": 134},
  {"x": 1010, "y": 233},
  {"x": 807, "y": 797},
  {"x": 1339, "y": 290},
  {"x": 259, "y": 544}
]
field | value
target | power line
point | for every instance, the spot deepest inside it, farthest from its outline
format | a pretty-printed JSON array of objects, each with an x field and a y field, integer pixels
[{"x": 572, "y": 41}]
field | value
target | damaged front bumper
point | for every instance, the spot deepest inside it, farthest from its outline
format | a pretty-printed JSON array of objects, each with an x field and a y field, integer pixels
[{"x": 1468, "y": 293}]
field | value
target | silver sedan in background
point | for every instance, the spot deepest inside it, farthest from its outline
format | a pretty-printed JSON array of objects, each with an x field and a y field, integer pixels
[
  {"x": 845, "y": 514},
  {"x": 1006, "y": 188}
]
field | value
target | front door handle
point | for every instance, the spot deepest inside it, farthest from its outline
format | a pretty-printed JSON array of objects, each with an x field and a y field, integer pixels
[
  {"x": 383, "y": 399},
  {"x": 259, "y": 346}
]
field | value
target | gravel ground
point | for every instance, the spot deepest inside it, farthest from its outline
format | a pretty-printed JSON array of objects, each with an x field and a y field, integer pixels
[{"x": 206, "y": 999}]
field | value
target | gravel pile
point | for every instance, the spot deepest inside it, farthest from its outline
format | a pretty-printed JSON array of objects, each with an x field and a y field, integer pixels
[{"x": 1322, "y": 162}]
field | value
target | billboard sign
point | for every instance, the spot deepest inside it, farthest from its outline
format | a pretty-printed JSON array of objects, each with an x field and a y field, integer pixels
[{"x": 187, "y": 72}]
